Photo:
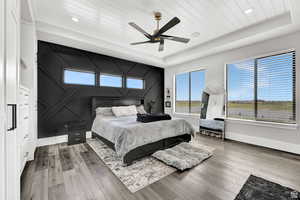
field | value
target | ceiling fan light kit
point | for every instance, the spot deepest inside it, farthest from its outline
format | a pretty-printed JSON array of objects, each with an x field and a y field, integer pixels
[{"x": 157, "y": 36}]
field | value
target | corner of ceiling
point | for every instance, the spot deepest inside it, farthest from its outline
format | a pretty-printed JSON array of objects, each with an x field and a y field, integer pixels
[
  {"x": 269, "y": 29},
  {"x": 67, "y": 37}
]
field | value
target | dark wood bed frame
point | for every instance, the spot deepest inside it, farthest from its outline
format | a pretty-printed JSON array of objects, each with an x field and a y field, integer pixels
[{"x": 144, "y": 150}]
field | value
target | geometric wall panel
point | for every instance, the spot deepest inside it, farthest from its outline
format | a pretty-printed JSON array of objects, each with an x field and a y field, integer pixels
[{"x": 59, "y": 103}]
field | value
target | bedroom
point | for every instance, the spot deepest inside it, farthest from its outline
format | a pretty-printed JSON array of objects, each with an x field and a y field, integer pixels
[{"x": 206, "y": 107}]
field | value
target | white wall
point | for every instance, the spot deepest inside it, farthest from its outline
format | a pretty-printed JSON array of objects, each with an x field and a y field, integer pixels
[
  {"x": 275, "y": 136},
  {"x": 27, "y": 54},
  {"x": 28, "y": 77}
]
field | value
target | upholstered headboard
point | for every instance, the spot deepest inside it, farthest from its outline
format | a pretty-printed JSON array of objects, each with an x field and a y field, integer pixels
[{"x": 101, "y": 101}]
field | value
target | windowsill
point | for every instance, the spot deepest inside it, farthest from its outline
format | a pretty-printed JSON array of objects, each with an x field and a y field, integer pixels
[
  {"x": 265, "y": 124},
  {"x": 187, "y": 114}
]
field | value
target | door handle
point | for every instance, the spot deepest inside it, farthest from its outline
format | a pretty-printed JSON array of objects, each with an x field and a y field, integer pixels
[{"x": 12, "y": 121}]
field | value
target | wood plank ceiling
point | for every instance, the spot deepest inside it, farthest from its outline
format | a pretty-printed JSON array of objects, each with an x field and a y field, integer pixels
[{"x": 108, "y": 19}]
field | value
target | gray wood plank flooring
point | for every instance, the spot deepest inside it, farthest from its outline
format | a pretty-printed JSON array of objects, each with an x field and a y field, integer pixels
[{"x": 62, "y": 172}]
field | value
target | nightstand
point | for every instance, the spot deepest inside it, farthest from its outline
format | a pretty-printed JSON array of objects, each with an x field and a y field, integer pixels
[{"x": 76, "y": 132}]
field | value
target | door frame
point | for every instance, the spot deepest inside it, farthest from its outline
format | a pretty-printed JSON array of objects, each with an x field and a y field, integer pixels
[{"x": 2, "y": 101}]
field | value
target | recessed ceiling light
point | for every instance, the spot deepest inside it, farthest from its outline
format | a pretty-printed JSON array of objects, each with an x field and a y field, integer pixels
[
  {"x": 248, "y": 11},
  {"x": 75, "y": 19},
  {"x": 195, "y": 34}
]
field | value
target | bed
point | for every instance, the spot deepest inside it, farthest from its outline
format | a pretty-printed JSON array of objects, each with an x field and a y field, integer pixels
[{"x": 133, "y": 140}]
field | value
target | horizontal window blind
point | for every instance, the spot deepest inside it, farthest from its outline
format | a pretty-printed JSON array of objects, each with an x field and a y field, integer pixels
[
  {"x": 276, "y": 88},
  {"x": 109, "y": 80},
  {"x": 263, "y": 89}
]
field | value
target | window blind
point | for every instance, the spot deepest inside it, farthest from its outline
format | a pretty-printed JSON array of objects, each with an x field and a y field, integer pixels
[
  {"x": 276, "y": 88},
  {"x": 263, "y": 89}
]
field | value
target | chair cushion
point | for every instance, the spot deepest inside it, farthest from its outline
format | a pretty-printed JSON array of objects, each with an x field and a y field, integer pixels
[{"x": 212, "y": 124}]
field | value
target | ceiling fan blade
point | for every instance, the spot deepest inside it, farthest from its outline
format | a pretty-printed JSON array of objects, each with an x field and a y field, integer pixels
[
  {"x": 167, "y": 26},
  {"x": 174, "y": 38},
  {"x": 140, "y": 29},
  {"x": 161, "y": 45},
  {"x": 135, "y": 43}
]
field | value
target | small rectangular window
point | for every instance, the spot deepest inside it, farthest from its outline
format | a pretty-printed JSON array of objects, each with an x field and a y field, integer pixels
[
  {"x": 79, "y": 77},
  {"x": 109, "y": 80},
  {"x": 135, "y": 83}
]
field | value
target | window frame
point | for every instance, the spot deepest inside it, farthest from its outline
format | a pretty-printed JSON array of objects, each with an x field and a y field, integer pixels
[
  {"x": 113, "y": 75},
  {"x": 78, "y": 84},
  {"x": 175, "y": 92},
  {"x": 137, "y": 78},
  {"x": 255, "y": 120}
]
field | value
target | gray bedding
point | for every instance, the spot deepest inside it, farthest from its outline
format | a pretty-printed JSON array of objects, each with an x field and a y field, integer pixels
[{"x": 127, "y": 134}]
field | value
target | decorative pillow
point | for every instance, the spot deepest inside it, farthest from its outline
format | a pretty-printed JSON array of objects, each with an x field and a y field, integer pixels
[
  {"x": 124, "y": 110},
  {"x": 105, "y": 111},
  {"x": 140, "y": 109}
]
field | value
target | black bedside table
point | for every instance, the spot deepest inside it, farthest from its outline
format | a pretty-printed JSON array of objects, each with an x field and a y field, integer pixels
[{"x": 76, "y": 131}]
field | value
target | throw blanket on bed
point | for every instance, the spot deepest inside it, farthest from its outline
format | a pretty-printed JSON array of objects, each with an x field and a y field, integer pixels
[
  {"x": 127, "y": 134},
  {"x": 145, "y": 118}
]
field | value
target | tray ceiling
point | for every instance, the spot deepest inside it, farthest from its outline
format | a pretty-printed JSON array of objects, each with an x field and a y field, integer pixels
[{"x": 201, "y": 20}]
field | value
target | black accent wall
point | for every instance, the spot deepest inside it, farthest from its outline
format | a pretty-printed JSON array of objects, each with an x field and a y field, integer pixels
[{"x": 59, "y": 103}]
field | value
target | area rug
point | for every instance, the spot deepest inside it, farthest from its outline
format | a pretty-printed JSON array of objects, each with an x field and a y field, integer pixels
[
  {"x": 257, "y": 188},
  {"x": 136, "y": 176},
  {"x": 183, "y": 156}
]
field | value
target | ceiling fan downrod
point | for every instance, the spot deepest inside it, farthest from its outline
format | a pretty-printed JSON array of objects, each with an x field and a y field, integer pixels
[{"x": 157, "y": 16}]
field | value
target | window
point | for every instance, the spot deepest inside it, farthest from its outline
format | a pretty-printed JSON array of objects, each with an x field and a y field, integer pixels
[
  {"x": 79, "y": 77},
  {"x": 110, "y": 80},
  {"x": 263, "y": 89},
  {"x": 189, "y": 88},
  {"x": 135, "y": 83}
]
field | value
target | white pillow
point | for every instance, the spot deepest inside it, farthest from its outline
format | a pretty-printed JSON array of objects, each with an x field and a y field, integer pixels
[
  {"x": 140, "y": 109},
  {"x": 105, "y": 111},
  {"x": 124, "y": 110}
]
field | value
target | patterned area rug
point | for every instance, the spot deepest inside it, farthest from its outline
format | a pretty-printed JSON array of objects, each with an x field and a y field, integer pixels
[
  {"x": 138, "y": 175},
  {"x": 260, "y": 189}
]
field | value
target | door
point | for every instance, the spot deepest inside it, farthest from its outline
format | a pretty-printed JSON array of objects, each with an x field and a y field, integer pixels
[
  {"x": 2, "y": 101},
  {"x": 11, "y": 84}
]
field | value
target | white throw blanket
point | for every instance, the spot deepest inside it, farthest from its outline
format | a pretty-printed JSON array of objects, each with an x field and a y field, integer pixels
[{"x": 127, "y": 134}]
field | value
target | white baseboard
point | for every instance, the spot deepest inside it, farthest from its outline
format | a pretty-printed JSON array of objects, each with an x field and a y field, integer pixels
[
  {"x": 273, "y": 144},
  {"x": 57, "y": 139}
]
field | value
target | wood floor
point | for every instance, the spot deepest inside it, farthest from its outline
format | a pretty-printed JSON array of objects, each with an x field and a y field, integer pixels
[{"x": 75, "y": 172}]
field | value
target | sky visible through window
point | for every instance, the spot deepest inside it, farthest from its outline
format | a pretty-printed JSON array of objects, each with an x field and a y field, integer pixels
[
  {"x": 197, "y": 86},
  {"x": 110, "y": 80},
  {"x": 274, "y": 79},
  {"x": 135, "y": 83},
  {"x": 80, "y": 78}
]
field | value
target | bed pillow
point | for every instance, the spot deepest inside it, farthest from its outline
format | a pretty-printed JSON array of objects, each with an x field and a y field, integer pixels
[
  {"x": 105, "y": 111},
  {"x": 124, "y": 110},
  {"x": 140, "y": 109}
]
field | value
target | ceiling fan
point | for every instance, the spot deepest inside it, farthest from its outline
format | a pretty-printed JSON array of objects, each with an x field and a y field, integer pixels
[{"x": 157, "y": 36}]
